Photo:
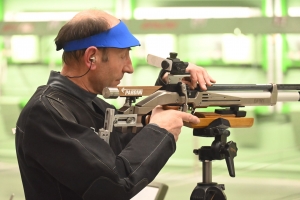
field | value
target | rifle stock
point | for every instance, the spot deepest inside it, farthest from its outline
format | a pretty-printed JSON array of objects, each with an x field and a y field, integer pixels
[{"x": 207, "y": 117}]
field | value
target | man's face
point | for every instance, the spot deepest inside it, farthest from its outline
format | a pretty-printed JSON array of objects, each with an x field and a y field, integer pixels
[{"x": 110, "y": 73}]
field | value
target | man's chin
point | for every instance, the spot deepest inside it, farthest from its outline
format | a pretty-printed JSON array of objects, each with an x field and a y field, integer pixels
[{"x": 114, "y": 84}]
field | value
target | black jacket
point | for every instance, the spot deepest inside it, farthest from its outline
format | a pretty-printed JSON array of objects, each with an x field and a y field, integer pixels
[{"x": 62, "y": 158}]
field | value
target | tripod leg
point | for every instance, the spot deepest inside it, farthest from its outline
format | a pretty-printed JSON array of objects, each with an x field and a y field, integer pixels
[
  {"x": 206, "y": 171},
  {"x": 208, "y": 190},
  {"x": 204, "y": 192},
  {"x": 215, "y": 193}
]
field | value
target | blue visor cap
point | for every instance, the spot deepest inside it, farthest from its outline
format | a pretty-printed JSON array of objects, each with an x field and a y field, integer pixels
[{"x": 117, "y": 37}]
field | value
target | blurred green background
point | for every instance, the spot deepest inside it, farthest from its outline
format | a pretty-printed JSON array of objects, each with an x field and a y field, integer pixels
[{"x": 245, "y": 41}]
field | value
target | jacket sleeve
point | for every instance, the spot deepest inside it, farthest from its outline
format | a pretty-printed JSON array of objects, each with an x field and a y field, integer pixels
[{"x": 75, "y": 156}]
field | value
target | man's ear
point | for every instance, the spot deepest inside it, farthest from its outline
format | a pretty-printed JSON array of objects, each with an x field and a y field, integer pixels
[{"x": 90, "y": 57}]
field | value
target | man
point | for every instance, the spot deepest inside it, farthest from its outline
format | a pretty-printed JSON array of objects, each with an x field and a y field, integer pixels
[{"x": 59, "y": 152}]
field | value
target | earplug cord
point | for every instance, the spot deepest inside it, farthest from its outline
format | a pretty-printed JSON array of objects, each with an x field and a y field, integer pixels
[{"x": 82, "y": 74}]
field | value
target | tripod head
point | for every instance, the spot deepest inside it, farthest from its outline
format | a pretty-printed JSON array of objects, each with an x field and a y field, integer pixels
[{"x": 219, "y": 148}]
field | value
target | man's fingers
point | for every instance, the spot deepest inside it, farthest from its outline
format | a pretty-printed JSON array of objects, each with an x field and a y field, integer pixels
[
  {"x": 202, "y": 81},
  {"x": 209, "y": 79},
  {"x": 199, "y": 76},
  {"x": 189, "y": 118},
  {"x": 158, "y": 108}
]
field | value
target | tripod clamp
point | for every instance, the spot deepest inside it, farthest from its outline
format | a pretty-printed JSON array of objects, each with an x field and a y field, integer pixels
[{"x": 220, "y": 149}]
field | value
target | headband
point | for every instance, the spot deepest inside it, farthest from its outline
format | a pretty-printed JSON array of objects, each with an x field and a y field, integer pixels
[{"x": 117, "y": 37}]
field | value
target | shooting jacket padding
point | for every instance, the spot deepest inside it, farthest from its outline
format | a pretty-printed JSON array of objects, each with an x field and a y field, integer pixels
[{"x": 61, "y": 157}]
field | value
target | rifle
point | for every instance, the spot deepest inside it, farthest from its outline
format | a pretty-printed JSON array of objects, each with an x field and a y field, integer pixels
[{"x": 229, "y": 97}]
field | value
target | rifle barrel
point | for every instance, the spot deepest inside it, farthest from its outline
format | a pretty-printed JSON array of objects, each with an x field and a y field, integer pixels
[
  {"x": 243, "y": 87},
  {"x": 282, "y": 96}
]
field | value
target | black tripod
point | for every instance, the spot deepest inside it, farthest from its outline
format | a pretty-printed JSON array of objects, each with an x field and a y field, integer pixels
[{"x": 219, "y": 149}]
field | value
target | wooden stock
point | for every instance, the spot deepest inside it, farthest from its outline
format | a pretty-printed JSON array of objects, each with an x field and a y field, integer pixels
[{"x": 207, "y": 117}]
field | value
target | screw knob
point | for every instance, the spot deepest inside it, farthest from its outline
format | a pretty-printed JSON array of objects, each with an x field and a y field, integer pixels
[{"x": 173, "y": 55}]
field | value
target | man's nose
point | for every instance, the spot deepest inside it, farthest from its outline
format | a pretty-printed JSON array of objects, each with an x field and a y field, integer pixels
[{"x": 128, "y": 67}]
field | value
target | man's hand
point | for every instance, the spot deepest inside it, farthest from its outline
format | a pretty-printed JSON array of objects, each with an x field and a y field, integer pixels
[
  {"x": 198, "y": 75},
  {"x": 171, "y": 120}
]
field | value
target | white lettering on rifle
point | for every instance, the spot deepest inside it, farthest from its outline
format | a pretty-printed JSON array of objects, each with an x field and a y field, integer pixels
[
  {"x": 133, "y": 92},
  {"x": 259, "y": 101}
]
